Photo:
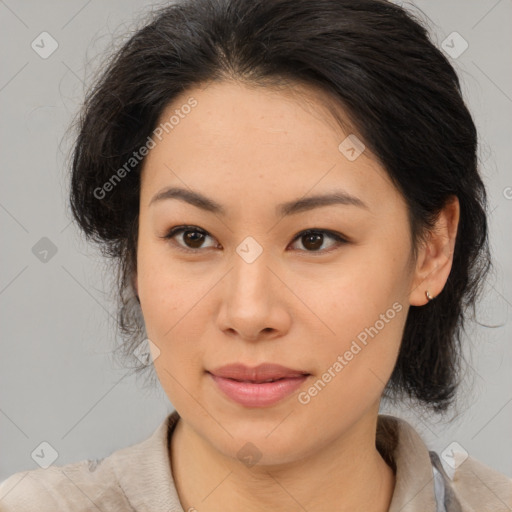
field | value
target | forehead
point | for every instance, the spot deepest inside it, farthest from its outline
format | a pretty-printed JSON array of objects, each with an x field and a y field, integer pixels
[
  {"x": 267, "y": 142},
  {"x": 228, "y": 111}
]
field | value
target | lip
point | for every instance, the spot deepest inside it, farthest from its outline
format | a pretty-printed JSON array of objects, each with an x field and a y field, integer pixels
[
  {"x": 247, "y": 386},
  {"x": 260, "y": 373}
]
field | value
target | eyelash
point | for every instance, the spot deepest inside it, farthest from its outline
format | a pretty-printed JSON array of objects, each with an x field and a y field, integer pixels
[{"x": 332, "y": 234}]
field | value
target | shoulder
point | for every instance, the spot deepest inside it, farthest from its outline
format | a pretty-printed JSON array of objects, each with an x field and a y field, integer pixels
[
  {"x": 460, "y": 484},
  {"x": 80, "y": 486},
  {"x": 136, "y": 477},
  {"x": 475, "y": 485}
]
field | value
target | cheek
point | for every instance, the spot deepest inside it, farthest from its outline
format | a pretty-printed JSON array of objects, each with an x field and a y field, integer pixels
[
  {"x": 173, "y": 317},
  {"x": 162, "y": 287},
  {"x": 363, "y": 311},
  {"x": 354, "y": 363},
  {"x": 162, "y": 301},
  {"x": 167, "y": 306},
  {"x": 174, "y": 299},
  {"x": 353, "y": 294}
]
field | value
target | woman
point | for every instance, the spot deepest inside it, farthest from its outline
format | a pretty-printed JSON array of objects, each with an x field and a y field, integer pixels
[{"x": 291, "y": 191}]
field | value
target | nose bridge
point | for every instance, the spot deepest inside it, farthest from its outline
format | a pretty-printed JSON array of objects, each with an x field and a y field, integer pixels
[
  {"x": 250, "y": 305},
  {"x": 250, "y": 278}
]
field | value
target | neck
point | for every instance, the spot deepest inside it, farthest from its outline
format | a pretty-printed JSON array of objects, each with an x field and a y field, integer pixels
[{"x": 348, "y": 474}]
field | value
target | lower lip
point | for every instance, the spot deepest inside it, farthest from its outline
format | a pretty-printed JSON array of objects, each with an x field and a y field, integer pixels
[{"x": 250, "y": 394}]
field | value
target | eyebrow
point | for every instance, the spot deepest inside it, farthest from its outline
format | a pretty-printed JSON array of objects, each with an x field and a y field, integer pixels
[{"x": 289, "y": 208}]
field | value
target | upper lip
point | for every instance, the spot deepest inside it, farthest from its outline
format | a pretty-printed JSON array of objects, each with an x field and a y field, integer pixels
[{"x": 260, "y": 373}]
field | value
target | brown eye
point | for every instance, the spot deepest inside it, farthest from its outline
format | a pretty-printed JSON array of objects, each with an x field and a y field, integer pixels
[
  {"x": 192, "y": 237},
  {"x": 313, "y": 239}
]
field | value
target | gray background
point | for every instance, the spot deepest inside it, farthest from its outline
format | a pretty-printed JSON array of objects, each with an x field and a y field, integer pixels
[{"x": 58, "y": 381}]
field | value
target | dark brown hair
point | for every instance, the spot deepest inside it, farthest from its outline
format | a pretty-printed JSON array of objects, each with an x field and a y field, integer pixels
[{"x": 376, "y": 60}]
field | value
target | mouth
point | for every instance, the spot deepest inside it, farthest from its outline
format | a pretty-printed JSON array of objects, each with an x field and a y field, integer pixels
[
  {"x": 265, "y": 372},
  {"x": 261, "y": 386},
  {"x": 262, "y": 381}
]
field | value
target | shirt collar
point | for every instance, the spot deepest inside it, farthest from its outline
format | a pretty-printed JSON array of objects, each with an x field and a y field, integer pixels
[
  {"x": 414, "y": 477},
  {"x": 149, "y": 485}
]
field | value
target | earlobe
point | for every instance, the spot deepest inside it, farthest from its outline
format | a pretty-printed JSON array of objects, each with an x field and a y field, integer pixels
[{"x": 435, "y": 257}]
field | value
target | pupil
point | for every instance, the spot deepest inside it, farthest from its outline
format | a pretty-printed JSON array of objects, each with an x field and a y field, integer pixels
[
  {"x": 317, "y": 243},
  {"x": 195, "y": 240}
]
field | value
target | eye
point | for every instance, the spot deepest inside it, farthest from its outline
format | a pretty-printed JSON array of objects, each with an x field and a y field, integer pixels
[
  {"x": 312, "y": 239},
  {"x": 193, "y": 237}
]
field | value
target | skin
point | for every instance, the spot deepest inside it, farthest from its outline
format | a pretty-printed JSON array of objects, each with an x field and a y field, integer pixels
[{"x": 249, "y": 149}]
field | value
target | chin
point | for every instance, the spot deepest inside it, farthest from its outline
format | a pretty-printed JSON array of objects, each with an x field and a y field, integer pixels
[{"x": 267, "y": 441}]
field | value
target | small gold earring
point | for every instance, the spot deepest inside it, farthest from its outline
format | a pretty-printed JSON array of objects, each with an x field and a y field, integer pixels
[{"x": 429, "y": 297}]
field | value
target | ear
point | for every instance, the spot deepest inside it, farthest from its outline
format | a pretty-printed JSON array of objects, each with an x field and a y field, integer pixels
[{"x": 435, "y": 256}]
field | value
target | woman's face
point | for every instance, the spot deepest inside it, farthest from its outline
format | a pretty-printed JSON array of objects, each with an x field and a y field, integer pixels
[{"x": 245, "y": 285}]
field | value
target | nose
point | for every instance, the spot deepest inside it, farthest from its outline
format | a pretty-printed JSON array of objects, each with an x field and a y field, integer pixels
[{"x": 253, "y": 302}]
